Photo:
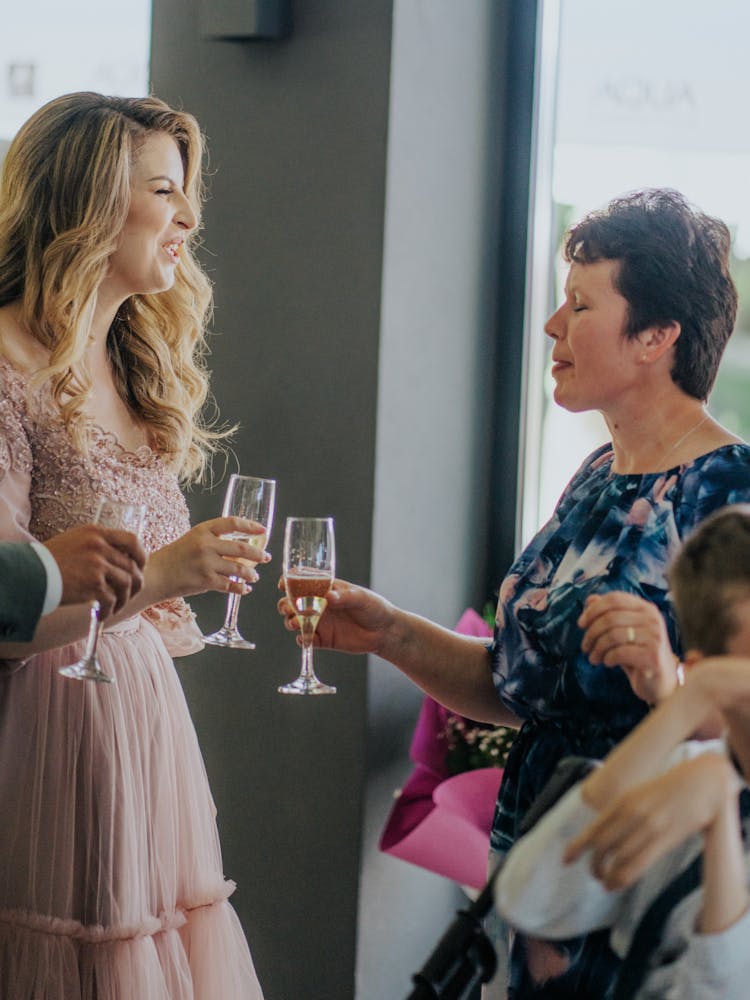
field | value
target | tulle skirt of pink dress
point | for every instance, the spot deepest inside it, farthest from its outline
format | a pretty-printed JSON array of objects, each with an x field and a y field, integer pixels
[{"x": 111, "y": 885}]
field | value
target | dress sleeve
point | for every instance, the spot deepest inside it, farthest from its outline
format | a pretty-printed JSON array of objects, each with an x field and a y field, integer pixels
[
  {"x": 538, "y": 894},
  {"x": 177, "y": 626},
  {"x": 722, "y": 479},
  {"x": 15, "y": 471}
]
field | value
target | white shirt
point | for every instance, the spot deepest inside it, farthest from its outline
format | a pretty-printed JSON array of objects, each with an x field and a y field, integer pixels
[
  {"x": 540, "y": 895},
  {"x": 53, "y": 593}
]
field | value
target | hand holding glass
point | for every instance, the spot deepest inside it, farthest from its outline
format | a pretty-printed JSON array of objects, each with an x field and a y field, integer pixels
[
  {"x": 309, "y": 569},
  {"x": 110, "y": 514},
  {"x": 253, "y": 499}
]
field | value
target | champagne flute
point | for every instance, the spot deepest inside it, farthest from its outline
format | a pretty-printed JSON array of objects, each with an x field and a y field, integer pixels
[
  {"x": 253, "y": 499},
  {"x": 309, "y": 568},
  {"x": 109, "y": 514}
]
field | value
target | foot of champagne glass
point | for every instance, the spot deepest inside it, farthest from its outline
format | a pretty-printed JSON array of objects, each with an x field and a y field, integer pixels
[
  {"x": 307, "y": 685},
  {"x": 229, "y": 635},
  {"x": 230, "y": 638},
  {"x": 87, "y": 668}
]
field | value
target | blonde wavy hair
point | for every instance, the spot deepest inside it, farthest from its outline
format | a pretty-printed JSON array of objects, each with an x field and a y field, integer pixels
[{"x": 64, "y": 198}]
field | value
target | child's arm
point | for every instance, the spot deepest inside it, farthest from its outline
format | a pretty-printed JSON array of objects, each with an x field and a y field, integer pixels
[
  {"x": 651, "y": 819},
  {"x": 539, "y": 894},
  {"x": 568, "y": 875},
  {"x": 716, "y": 963},
  {"x": 725, "y": 894},
  {"x": 719, "y": 684}
]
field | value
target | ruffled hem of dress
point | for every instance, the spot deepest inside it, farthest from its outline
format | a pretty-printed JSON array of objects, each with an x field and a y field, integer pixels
[{"x": 98, "y": 934}]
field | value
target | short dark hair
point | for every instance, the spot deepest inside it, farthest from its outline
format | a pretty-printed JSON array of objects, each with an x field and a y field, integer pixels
[
  {"x": 708, "y": 576},
  {"x": 673, "y": 266}
]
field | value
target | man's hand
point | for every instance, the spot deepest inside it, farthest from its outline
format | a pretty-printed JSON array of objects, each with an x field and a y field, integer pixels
[{"x": 98, "y": 564}]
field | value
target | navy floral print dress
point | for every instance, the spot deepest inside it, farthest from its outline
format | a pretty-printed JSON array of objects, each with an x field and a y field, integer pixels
[{"x": 608, "y": 532}]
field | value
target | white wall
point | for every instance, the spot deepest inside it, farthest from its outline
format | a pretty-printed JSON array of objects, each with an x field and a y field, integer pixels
[
  {"x": 48, "y": 48},
  {"x": 436, "y": 310}
]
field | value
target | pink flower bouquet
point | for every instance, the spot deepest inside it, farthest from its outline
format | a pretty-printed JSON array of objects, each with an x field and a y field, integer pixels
[{"x": 441, "y": 820}]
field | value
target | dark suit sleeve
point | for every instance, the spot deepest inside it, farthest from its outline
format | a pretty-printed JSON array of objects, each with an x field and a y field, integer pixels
[{"x": 23, "y": 585}]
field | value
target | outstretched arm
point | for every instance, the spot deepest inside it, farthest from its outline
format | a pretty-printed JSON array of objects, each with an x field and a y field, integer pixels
[
  {"x": 711, "y": 686},
  {"x": 646, "y": 821},
  {"x": 548, "y": 887},
  {"x": 453, "y": 669},
  {"x": 200, "y": 560},
  {"x": 569, "y": 874}
]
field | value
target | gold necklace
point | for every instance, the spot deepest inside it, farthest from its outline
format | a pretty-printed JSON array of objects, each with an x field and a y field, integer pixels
[{"x": 681, "y": 440}]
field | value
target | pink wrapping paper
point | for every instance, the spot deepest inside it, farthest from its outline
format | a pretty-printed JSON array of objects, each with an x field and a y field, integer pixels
[{"x": 442, "y": 822}]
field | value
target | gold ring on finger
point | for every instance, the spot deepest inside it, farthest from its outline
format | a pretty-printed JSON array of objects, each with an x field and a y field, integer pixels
[{"x": 631, "y": 634}]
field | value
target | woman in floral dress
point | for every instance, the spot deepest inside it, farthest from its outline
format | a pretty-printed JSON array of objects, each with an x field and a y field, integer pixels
[
  {"x": 111, "y": 882},
  {"x": 585, "y": 637}
]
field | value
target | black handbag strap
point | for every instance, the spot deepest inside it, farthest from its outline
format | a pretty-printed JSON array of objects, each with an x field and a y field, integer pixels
[
  {"x": 648, "y": 933},
  {"x": 568, "y": 772}
]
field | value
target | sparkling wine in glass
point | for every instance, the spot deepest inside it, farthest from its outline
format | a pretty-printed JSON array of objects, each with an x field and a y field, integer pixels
[
  {"x": 109, "y": 514},
  {"x": 253, "y": 499},
  {"x": 309, "y": 569}
]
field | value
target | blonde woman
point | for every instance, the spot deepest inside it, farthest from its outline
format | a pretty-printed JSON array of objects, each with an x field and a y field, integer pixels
[{"x": 111, "y": 881}]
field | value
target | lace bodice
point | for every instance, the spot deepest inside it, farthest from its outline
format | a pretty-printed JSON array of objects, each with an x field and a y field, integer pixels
[
  {"x": 65, "y": 484},
  {"x": 48, "y": 485}
]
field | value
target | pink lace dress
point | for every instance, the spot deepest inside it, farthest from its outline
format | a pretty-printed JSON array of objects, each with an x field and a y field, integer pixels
[{"x": 111, "y": 884}]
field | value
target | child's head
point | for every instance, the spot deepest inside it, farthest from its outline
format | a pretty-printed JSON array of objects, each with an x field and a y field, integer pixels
[{"x": 710, "y": 584}]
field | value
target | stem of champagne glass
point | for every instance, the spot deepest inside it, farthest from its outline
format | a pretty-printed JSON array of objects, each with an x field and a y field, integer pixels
[
  {"x": 308, "y": 633},
  {"x": 307, "y": 662},
  {"x": 92, "y": 639},
  {"x": 233, "y": 610}
]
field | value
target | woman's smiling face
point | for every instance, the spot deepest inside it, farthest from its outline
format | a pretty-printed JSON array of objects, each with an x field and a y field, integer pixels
[{"x": 158, "y": 220}]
